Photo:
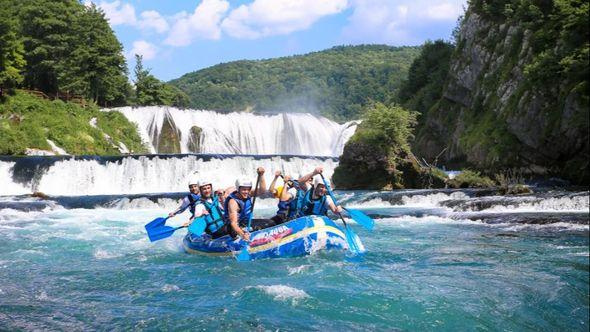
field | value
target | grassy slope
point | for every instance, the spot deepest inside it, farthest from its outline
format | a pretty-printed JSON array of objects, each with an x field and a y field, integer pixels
[{"x": 27, "y": 121}]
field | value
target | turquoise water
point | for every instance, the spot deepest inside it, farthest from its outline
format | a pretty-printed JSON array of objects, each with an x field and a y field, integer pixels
[{"x": 94, "y": 269}]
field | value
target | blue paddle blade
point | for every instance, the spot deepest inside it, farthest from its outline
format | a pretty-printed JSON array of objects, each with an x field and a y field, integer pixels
[
  {"x": 244, "y": 255},
  {"x": 161, "y": 232},
  {"x": 198, "y": 226},
  {"x": 361, "y": 218},
  {"x": 156, "y": 223},
  {"x": 354, "y": 242}
]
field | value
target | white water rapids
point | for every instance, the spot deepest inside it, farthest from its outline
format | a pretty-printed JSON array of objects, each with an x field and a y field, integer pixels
[
  {"x": 241, "y": 133},
  {"x": 145, "y": 174}
]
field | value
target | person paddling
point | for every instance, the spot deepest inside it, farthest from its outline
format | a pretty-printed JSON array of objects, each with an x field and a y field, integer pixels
[
  {"x": 209, "y": 207},
  {"x": 315, "y": 201},
  {"x": 238, "y": 207},
  {"x": 190, "y": 200},
  {"x": 290, "y": 197}
]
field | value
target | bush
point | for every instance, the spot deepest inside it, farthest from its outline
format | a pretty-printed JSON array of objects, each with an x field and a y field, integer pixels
[{"x": 470, "y": 179}]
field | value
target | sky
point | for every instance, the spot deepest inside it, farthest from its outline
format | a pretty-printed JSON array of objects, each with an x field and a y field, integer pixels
[{"x": 176, "y": 37}]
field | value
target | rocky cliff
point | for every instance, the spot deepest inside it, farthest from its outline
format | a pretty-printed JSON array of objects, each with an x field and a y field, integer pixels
[{"x": 517, "y": 91}]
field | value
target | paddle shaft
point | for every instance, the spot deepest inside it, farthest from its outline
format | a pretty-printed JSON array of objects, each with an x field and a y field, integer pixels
[{"x": 254, "y": 201}]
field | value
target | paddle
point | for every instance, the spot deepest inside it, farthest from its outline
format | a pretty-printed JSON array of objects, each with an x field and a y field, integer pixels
[
  {"x": 198, "y": 225},
  {"x": 244, "y": 254},
  {"x": 354, "y": 242},
  {"x": 361, "y": 218},
  {"x": 157, "y": 230}
]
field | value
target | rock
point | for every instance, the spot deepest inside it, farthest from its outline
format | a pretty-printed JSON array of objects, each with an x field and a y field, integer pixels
[
  {"x": 491, "y": 116},
  {"x": 194, "y": 140}
]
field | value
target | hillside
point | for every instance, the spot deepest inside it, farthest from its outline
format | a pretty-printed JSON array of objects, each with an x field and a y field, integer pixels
[
  {"x": 29, "y": 123},
  {"x": 336, "y": 82}
]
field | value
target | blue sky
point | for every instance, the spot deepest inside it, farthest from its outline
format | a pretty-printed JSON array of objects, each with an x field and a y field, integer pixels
[{"x": 179, "y": 36}]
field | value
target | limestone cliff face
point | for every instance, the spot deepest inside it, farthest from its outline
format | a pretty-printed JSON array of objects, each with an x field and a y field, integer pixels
[{"x": 495, "y": 115}]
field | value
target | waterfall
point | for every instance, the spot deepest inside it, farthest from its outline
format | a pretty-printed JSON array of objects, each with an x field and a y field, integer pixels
[
  {"x": 92, "y": 175},
  {"x": 172, "y": 130}
]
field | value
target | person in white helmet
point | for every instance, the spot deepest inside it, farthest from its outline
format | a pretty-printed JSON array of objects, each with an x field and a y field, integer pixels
[
  {"x": 316, "y": 201},
  {"x": 190, "y": 200},
  {"x": 238, "y": 207},
  {"x": 209, "y": 207}
]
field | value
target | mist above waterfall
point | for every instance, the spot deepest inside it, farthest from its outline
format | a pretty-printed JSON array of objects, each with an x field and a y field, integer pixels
[{"x": 172, "y": 130}]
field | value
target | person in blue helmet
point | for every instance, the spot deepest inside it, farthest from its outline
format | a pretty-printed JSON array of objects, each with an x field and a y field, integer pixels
[
  {"x": 190, "y": 200},
  {"x": 238, "y": 208},
  {"x": 209, "y": 207},
  {"x": 290, "y": 197},
  {"x": 316, "y": 200}
]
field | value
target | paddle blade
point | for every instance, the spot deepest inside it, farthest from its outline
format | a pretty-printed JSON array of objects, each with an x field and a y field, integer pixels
[
  {"x": 354, "y": 242},
  {"x": 244, "y": 255},
  {"x": 361, "y": 218},
  {"x": 159, "y": 233},
  {"x": 198, "y": 226},
  {"x": 156, "y": 223}
]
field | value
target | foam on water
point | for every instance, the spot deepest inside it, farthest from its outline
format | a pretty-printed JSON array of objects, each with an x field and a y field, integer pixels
[
  {"x": 145, "y": 174},
  {"x": 551, "y": 204},
  {"x": 282, "y": 292},
  {"x": 7, "y": 185}
]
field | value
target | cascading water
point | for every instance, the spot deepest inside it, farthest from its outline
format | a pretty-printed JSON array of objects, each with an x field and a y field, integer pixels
[
  {"x": 171, "y": 130},
  {"x": 140, "y": 174}
]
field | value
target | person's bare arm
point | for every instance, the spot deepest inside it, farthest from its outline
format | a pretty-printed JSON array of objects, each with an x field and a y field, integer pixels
[
  {"x": 271, "y": 188},
  {"x": 232, "y": 206},
  {"x": 303, "y": 180},
  {"x": 336, "y": 209},
  {"x": 261, "y": 185}
]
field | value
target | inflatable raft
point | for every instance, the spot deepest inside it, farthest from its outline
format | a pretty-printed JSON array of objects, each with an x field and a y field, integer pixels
[{"x": 297, "y": 237}]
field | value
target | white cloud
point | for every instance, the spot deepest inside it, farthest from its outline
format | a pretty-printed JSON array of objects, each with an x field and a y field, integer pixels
[
  {"x": 203, "y": 23},
  {"x": 444, "y": 11},
  {"x": 263, "y": 18},
  {"x": 400, "y": 22},
  {"x": 151, "y": 19},
  {"x": 143, "y": 48},
  {"x": 117, "y": 12}
]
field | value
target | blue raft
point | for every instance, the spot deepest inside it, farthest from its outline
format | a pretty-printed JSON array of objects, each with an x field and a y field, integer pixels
[{"x": 297, "y": 237}]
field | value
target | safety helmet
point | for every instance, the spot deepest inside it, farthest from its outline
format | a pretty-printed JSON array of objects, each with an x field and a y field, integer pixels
[
  {"x": 279, "y": 192},
  {"x": 318, "y": 180},
  {"x": 193, "y": 179},
  {"x": 204, "y": 182},
  {"x": 243, "y": 182}
]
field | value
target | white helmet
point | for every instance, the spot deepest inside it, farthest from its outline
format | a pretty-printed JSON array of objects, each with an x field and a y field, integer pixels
[
  {"x": 318, "y": 180},
  {"x": 204, "y": 182},
  {"x": 193, "y": 179},
  {"x": 243, "y": 182}
]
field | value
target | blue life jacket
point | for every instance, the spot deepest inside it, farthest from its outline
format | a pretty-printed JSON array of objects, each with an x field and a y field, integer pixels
[
  {"x": 193, "y": 199},
  {"x": 291, "y": 208},
  {"x": 314, "y": 206},
  {"x": 245, "y": 208},
  {"x": 214, "y": 219}
]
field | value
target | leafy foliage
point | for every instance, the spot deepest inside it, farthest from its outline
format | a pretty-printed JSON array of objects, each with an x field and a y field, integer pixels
[
  {"x": 68, "y": 48},
  {"x": 27, "y": 122},
  {"x": 378, "y": 154},
  {"x": 11, "y": 50},
  {"x": 150, "y": 91},
  {"x": 337, "y": 82},
  {"x": 470, "y": 179},
  {"x": 426, "y": 78}
]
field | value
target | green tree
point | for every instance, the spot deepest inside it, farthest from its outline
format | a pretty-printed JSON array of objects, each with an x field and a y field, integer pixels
[
  {"x": 96, "y": 68},
  {"x": 11, "y": 50},
  {"x": 46, "y": 27},
  {"x": 151, "y": 91}
]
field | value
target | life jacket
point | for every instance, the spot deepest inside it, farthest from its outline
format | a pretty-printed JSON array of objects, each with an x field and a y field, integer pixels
[
  {"x": 193, "y": 199},
  {"x": 314, "y": 206},
  {"x": 245, "y": 208},
  {"x": 214, "y": 219},
  {"x": 291, "y": 208}
]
